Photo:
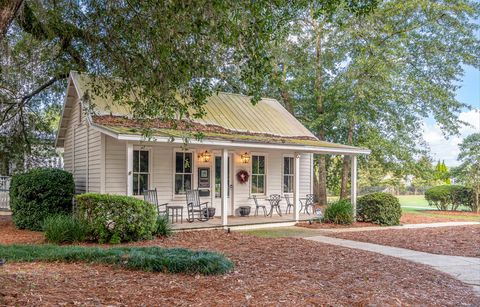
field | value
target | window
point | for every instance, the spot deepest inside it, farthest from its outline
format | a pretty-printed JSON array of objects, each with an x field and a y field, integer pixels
[
  {"x": 183, "y": 172},
  {"x": 287, "y": 175},
  {"x": 140, "y": 171},
  {"x": 218, "y": 177},
  {"x": 258, "y": 175}
]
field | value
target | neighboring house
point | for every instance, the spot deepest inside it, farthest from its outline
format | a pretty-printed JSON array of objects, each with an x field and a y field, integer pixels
[{"x": 106, "y": 152}]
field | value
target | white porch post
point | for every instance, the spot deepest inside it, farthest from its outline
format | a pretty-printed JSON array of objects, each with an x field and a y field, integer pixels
[
  {"x": 296, "y": 187},
  {"x": 353, "y": 183},
  {"x": 224, "y": 189},
  {"x": 129, "y": 169}
]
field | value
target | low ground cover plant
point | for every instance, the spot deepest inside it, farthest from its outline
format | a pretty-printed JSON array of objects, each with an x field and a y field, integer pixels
[
  {"x": 151, "y": 259},
  {"x": 379, "y": 208},
  {"x": 65, "y": 229},
  {"x": 115, "y": 218},
  {"x": 450, "y": 197},
  {"x": 162, "y": 226},
  {"x": 339, "y": 212},
  {"x": 38, "y": 194}
]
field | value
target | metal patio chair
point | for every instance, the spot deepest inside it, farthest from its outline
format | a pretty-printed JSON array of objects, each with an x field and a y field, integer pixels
[
  {"x": 257, "y": 205},
  {"x": 274, "y": 200},
  {"x": 307, "y": 202},
  {"x": 289, "y": 204},
  {"x": 151, "y": 196},
  {"x": 195, "y": 209}
]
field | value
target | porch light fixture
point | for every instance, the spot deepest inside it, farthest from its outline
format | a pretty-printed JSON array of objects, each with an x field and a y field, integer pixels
[
  {"x": 204, "y": 156},
  {"x": 245, "y": 158}
]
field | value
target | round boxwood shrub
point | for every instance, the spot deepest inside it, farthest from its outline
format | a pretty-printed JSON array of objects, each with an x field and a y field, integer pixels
[
  {"x": 38, "y": 194},
  {"x": 443, "y": 196},
  {"x": 379, "y": 208},
  {"x": 116, "y": 218},
  {"x": 339, "y": 212}
]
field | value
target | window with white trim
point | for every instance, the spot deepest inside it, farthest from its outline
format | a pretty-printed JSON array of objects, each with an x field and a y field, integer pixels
[
  {"x": 183, "y": 172},
  {"x": 141, "y": 172},
  {"x": 288, "y": 174},
  {"x": 258, "y": 175}
]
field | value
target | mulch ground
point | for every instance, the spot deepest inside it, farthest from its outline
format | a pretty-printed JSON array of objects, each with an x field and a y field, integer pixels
[
  {"x": 457, "y": 241},
  {"x": 421, "y": 217},
  {"x": 286, "y": 271},
  {"x": 10, "y": 235}
]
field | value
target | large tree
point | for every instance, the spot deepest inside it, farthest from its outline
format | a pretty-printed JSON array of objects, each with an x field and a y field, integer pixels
[
  {"x": 468, "y": 172},
  {"x": 382, "y": 74}
]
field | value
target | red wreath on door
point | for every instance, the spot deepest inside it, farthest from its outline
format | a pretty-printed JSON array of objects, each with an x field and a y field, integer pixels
[{"x": 242, "y": 176}]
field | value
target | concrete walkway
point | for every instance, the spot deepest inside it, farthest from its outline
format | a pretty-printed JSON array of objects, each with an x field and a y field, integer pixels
[
  {"x": 406, "y": 226},
  {"x": 465, "y": 269}
]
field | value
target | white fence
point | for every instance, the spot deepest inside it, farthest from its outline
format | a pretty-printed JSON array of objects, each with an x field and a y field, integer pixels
[{"x": 4, "y": 198}]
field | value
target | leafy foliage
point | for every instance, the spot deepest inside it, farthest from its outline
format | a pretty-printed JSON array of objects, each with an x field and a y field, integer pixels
[
  {"x": 116, "y": 218},
  {"x": 454, "y": 196},
  {"x": 379, "y": 208},
  {"x": 151, "y": 259},
  {"x": 339, "y": 212},
  {"x": 163, "y": 227},
  {"x": 38, "y": 194},
  {"x": 468, "y": 172},
  {"x": 65, "y": 229}
]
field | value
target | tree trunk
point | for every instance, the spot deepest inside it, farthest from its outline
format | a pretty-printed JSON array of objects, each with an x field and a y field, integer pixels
[
  {"x": 346, "y": 166},
  {"x": 8, "y": 11},
  {"x": 321, "y": 190}
]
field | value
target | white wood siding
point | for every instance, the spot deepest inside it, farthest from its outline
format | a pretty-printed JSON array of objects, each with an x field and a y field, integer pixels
[
  {"x": 115, "y": 166},
  {"x": 94, "y": 160}
]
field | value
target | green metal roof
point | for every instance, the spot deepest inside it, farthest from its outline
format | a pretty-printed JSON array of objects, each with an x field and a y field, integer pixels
[{"x": 231, "y": 111}]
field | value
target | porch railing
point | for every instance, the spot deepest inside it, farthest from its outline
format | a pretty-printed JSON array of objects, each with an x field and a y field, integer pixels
[{"x": 4, "y": 198}]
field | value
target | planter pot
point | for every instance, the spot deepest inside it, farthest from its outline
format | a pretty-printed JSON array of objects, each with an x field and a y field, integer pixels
[
  {"x": 211, "y": 212},
  {"x": 244, "y": 211}
]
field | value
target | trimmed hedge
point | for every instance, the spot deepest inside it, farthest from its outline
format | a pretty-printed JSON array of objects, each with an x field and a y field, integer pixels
[
  {"x": 38, "y": 194},
  {"x": 379, "y": 208},
  {"x": 445, "y": 197},
  {"x": 339, "y": 212},
  {"x": 116, "y": 218},
  {"x": 151, "y": 259}
]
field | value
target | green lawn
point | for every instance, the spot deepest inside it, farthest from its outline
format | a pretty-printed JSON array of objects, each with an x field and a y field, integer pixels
[
  {"x": 281, "y": 232},
  {"x": 414, "y": 201}
]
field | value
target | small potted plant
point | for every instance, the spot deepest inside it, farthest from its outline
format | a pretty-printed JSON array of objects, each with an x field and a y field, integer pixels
[
  {"x": 244, "y": 210},
  {"x": 210, "y": 214}
]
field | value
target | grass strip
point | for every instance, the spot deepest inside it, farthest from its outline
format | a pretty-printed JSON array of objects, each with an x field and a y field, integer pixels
[{"x": 150, "y": 259}]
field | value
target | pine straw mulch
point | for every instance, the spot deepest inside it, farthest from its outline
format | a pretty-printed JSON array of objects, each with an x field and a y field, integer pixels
[
  {"x": 334, "y": 226},
  {"x": 450, "y": 216},
  {"x": 456, "y": 241},
  {"x": 286, "y": 271},
  {"x": 11, "y": 235}
]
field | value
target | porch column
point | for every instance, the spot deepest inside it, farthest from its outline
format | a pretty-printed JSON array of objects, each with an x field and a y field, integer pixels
[
  {"x": 296, "y": 187},
  {"x": 224, "y": 189},
  {"x": 129, "y": 169},
  {"x": 353, "y": 183}
]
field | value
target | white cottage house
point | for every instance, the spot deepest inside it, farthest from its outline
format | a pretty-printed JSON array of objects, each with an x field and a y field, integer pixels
[{"x": 105, "y": 151}]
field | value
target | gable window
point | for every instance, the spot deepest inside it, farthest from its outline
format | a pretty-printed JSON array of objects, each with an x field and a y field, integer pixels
[
  {"x": 183, "y": 172},
  {"x": 287, "y": 175},
  {"x": 258, "y": 175},
  {"x": 140, "y": 171}
]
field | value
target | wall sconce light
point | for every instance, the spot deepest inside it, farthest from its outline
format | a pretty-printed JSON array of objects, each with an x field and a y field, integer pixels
[
  {"x": 204, "y": 156},
  {"x": 245, "y": 158}
]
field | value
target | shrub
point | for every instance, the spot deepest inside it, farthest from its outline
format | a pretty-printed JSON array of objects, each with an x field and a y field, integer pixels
[
  {"x": 39, "y": 193},
  {"x": 379, "y": 208},
  {"x": 339, "y": 212},
  {"x": 454, "y": 196},
  {"x": 65, "y": 229},
  {"x": 151, "y": 259},
  {"x": 115, "y": 218},
  {"x": 162, "y": 226}
]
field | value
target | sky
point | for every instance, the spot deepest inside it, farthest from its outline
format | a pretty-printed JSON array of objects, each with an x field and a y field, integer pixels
[{"x": 447, "y": 149}]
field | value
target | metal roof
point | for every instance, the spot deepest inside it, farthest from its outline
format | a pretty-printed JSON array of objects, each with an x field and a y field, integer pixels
[{"x": 231, "y": 111}]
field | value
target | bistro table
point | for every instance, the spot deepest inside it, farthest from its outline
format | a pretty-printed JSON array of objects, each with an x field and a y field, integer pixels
[
  {"x": 274, "y": 200},
  {"x": 174, "y": 212}
]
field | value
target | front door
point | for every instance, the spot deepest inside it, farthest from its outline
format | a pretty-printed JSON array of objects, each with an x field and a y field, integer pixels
[{"x": 218, "y": 182}]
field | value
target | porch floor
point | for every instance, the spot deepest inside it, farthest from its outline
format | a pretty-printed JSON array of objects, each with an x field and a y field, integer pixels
[{"x": 239, "y": 221}]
